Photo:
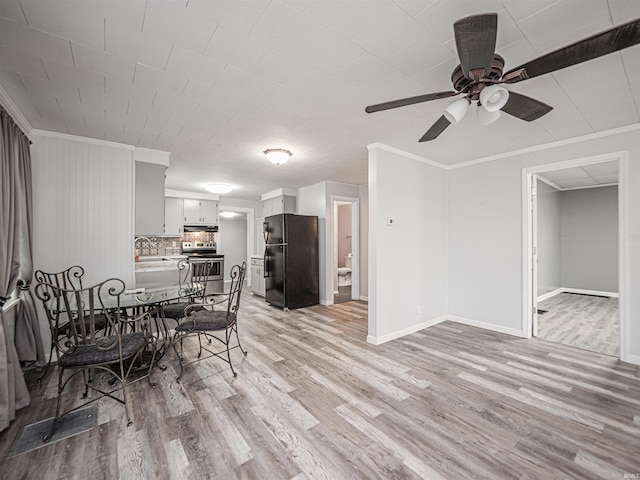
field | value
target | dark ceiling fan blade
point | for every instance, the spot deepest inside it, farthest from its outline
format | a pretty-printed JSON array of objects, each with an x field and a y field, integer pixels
[
  {"x": 476, "y": 43},
  {"x": 618, "y": 38},
  {"x": 525, "y": 108},
  {"x": 436, "y": 129},
  {"x": 409, "y": 101}
]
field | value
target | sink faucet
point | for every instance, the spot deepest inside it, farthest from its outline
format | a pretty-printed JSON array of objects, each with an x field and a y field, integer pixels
[{"x": 142, "y": 238}]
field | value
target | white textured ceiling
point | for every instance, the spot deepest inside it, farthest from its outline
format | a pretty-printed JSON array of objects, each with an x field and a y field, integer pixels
[
  {"x": 217, "y": 82},
  {"x": 596, "y": 175}
]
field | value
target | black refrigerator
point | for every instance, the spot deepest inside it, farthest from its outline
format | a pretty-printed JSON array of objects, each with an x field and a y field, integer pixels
[{"x": 291, "y": 262}]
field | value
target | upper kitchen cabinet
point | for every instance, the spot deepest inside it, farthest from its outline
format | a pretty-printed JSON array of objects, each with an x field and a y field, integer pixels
[
  {"x": 279, "y": 204},
  {"x": 172, "y": 217},
  {"x": 200, "y": 212},
  {"x": 149, "y": 199}
]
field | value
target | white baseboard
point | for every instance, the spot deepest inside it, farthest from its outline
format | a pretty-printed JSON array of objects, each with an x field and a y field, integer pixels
[
  {"x": 581, "y": 291},
  {"x": 326, "y": 302},
  {"x": 486, "y": 326},
  {"x": 591, "y": 292},
  {"x": 635, "y": 359},
  {"x": 548, "y": 295},
  {"x": 405, "y": 331},
  {"x": 363, "y": 298}
]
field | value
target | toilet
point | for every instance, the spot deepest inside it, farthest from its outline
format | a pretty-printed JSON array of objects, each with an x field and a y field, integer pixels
[{"x": 344, "y": 273}]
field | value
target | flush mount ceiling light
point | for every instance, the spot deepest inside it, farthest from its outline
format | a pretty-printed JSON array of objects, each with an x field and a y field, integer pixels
[
  {"x": 218, "y": 188},
  {"x": 277, "y": 156},
  {"x": 229, "y": 214}
]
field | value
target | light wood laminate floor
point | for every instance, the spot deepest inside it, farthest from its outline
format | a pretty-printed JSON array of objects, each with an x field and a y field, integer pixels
[
  {"x": 313, "y": 400},
  {"x": 583, "y": 321}
]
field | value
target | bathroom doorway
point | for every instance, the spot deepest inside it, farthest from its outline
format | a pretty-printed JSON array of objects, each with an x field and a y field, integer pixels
[{"x": 345, "y": 249}]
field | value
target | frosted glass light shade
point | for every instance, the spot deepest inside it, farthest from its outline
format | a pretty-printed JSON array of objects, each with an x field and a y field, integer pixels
[
  {"x": 485, "y": 117},
  {"x": 218, "y": 188},
  {"x": 277, "y": 156},
  {"x": 494, "y": 97},
  {"x": 456, "y": 110}
]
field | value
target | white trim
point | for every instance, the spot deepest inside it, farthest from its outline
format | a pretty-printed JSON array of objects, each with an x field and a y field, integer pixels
[
  {"x": 12, "y": 109},
  {"x": 76, "y": 138},
  {"x": 192, "y": 195},
  {"x": 355, "y": 243},
  {"x": 549, "y": 295},
  {"x": 279, "y": 193},
  {"x": 545, "y": 146},
  {"x": 598, "y": 293},
  {"x": 486, "y": 326},
  {"x": 412, "y": 156},
  {"x": 326, "y": 303},
  {"x": 550, "y": 183},
  {"x": 251, "y": 234},
  {"x": 364, "y": 298},
  {"x": 635, "y": 359},
  {"x": 405, "y": 331},
  {"x": 149, "y": 155},
  {"x": 590, "y": 186},
  {"x": 623, "y": 238}
]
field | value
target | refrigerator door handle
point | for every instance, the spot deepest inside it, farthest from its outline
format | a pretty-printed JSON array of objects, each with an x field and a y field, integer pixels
[
  {"x": 265, "y": 265},
  {"x": 265, "y": 231}
]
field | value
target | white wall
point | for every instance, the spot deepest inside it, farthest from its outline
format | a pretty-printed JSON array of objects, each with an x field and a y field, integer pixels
[
  {"x": 549, "y": 258},
  {"x": 233, "y": 242},
  {"x": 590, "y": 239},
  {"x": 83, "y": 203},
  {"x": 408, "y": 260},
  {"x": 485, "y": 233}
]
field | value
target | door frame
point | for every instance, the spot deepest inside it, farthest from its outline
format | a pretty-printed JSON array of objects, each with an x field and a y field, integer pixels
[
  {"x": 251, "y": 226},
  {"x": 337, "y": 200},
  {"x": 529, "y": 269}
]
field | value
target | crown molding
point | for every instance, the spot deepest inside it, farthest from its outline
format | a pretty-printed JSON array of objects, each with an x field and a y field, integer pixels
[
  {"x": 413, "y": 156},
  {"x": 14, "y": 111},
  {"x": 76, "y": 138},
  {"x": 546, "y": 146}
]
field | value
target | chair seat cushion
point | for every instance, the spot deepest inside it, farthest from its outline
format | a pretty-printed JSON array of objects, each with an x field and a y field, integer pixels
[
  {"x": 206, "y": 320},
  {"x": 176, "y": 310},
  {"x": 83, "y": 355}
]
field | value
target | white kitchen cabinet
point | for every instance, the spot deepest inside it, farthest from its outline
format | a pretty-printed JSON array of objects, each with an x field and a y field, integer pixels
[
  {"x": 209, "y": 211},
  {"x": 279, "y": 204},
  {"x": 199, "y": 212},
  {"x": 172, "y": 217},
  {"x": 149, "y": 199},
  {"x": 257, "y": 276}
]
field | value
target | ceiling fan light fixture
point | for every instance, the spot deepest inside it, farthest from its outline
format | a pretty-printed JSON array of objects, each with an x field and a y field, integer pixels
[
  {"x": 494, "y": 97},
  {"x": 277, "y": 156},
  {"x": 457, "y": 110},
  {"x": 485, "y": 117},
  {"x": 219, "y": 188}
]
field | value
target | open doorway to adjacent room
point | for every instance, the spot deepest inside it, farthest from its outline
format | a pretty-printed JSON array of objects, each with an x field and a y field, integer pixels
[
  {"x": 577, "y": 238},
  {"x": 346, "y": 249}
]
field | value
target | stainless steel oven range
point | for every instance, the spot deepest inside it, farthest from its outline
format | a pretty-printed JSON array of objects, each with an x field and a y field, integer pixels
[{"x": 206, "y": 251}]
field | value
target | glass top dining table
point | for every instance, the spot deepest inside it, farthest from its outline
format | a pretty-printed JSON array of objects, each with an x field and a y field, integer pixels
[{"x": 152, "y": 296}]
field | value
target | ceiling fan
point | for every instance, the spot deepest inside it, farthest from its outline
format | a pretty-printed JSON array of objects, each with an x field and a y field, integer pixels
[{"x": 479, "y": 75}]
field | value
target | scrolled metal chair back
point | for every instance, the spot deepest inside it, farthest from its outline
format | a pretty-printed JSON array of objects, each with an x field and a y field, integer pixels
[
  {"x": 78, "y": 308},
  {"x": 69, "y": 279},
  {"x": 235, "y": 288}
]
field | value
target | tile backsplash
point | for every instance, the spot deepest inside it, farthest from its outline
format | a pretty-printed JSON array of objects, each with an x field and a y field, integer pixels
[{"x": 170, "y": 245}]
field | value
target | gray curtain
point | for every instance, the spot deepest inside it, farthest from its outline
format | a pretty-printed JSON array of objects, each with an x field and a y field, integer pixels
[
  {"x": 28, "y": 340},
  {"x": 13, "y": 389}
]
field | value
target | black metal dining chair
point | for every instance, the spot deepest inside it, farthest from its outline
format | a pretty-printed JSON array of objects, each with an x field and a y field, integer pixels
[
  {"x": 188, "y": 274},
  {"x": 213, "y": 316},
  {"x": 69, "y": 279},
  {"x": 84, "y": 347}
]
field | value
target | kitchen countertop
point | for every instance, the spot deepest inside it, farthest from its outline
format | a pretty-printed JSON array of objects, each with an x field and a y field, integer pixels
[{"x": 155, "y": 263}]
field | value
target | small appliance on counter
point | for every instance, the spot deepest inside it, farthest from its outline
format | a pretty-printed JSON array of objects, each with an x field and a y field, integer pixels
[{"x": 206, "y": 251}]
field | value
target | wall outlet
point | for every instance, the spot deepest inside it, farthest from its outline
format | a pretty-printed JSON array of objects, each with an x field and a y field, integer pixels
[{"x": 418, "y": 309}]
